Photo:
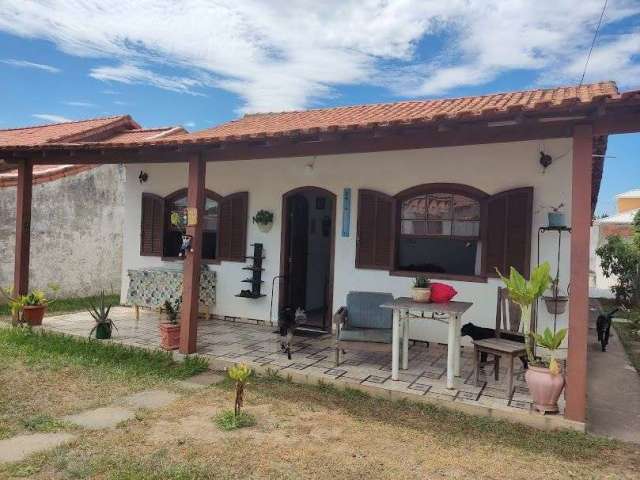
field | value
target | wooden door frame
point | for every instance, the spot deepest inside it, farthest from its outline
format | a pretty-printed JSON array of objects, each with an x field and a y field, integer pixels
[{"x": 284, "y": 233}]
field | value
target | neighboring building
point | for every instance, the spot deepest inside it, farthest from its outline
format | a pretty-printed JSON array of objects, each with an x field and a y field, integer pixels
[
  {"x": 620, "y": 224},
  {"x": 76, "y": 229}
]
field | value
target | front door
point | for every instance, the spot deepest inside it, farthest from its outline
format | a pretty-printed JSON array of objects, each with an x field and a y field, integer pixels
[{"x": 307, "y": 254}]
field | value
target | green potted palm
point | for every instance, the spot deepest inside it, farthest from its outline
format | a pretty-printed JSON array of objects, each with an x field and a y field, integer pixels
[
  {"x": 544, "y": 378},
  {"x": 170, "y": 328},
  {"x": 104, "y": 326}
]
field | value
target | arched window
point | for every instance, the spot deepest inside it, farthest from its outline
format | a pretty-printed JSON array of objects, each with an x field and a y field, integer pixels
[
  {"x": 177, "y": 203},
  {"x": 439, "y": 229}
]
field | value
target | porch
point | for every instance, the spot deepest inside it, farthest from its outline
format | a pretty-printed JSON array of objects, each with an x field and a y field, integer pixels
[{"x": 226, "y": 342}]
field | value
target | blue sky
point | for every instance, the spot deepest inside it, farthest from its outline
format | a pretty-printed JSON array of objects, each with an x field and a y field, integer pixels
[{"x": 198, "y": 63}]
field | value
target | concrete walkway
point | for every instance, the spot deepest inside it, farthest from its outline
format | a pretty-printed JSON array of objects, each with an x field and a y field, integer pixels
[
  {"x": 613, "y": 408},
  {"x": 17, "y": 448}
]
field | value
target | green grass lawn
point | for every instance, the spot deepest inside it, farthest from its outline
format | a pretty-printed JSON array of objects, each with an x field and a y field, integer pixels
[
  {"x": 300, "y": 431},
  {"x": 630, "y": 341},
  {"x": 68, "y": 305}
]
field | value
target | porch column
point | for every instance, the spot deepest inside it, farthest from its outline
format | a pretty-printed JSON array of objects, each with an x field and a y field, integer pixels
[
  {"x": 23, "y": 228},
  {"x": 576, "y": 394},
  {"x": 193, "y": 260}
]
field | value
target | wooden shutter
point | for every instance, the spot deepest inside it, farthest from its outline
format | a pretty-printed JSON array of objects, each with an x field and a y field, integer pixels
[
  {"x": 233, "y": 227},
  {"x": 508, "y": 237},
  {"x": 152, "y": 225},
  {"x": 374, "y": 241}
]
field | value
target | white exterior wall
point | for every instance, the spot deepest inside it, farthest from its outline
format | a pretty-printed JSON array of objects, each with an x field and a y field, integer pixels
[
  {"x": 492, "y": 168},
  {"x": 599, "y": 285}
]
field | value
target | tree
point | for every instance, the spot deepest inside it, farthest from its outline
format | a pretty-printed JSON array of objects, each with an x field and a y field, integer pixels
[{"x": 620, "y": 257}]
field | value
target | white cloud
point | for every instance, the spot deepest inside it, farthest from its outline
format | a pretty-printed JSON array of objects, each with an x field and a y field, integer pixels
[
  {"x": 189, "y": 124},
  {"x": 285, "y": 54},
  {"x": 26, "y": 64},
  {"x": 133, "y": 74},
  {"x": 51, "y": 118},
  {"x": 80, "y": 104}
]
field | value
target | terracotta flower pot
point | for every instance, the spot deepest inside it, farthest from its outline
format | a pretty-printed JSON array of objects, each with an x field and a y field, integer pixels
[
  {"x": 421, "y": 295},
  {"x": 169, "y": 336},
  {"x": 33, "y": 314},
  {"x": 544, "y": 387}
]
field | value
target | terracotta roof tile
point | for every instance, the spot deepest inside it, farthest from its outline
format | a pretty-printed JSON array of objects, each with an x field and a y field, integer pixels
[
  {"x": 406, "y": 112},
  {"x": 77, "y": 130},
  {"x": 55, "y": 132}
]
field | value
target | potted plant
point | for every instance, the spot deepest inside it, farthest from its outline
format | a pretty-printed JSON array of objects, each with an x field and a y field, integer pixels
[
  {"x": 544, "y": 377},
  {"x": 421, "y": 291},
  {"x": 556, "y": 216},
  {"x": 524, "y": 293},
  {"x": 556, "y": 303},
  {"x": 264, "y": 220},
  {"x": 100, "y": 312},
  {"x": 170, "y": 329},
  {"x": 29, "y": 308}
]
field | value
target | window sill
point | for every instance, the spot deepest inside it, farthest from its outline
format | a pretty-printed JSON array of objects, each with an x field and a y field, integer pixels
[
  {"x": 208, "y": 261},
  {"x": 440, "y": 276}
]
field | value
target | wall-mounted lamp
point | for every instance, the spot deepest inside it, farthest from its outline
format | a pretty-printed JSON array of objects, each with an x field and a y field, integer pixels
[
  {"x": 545, "y": 160},
  {"x": 143, "y": 177}
]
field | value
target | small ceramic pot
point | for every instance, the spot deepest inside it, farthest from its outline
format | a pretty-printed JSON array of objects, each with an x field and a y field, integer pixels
[
  {"x": 265, "y": 227},
  {"x": 544, "y": 387},
  {"x": 421, "y": 295},
  {"x": 556, "y": 305},
  {"x": 557, "y": 219},
  {"x": 33, "y": 314},
  {"x": 170, "y": 336}
]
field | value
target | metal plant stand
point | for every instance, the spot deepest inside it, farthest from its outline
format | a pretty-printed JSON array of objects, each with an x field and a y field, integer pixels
[{"x": 560, "y": 231}]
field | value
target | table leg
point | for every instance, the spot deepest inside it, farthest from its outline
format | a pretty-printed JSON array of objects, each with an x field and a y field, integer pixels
[
  {"x": 458, "y": 346},
  {"x": 405, "y": 343},
  {"x": 395, "y": 345},
  {"x": 451, "y": 352}
]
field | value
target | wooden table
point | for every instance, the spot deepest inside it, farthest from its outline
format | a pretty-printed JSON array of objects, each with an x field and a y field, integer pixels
[{"x": 405, "y": 309}]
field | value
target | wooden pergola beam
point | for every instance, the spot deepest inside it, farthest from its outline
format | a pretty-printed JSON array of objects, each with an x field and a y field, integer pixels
[
  {"x": 193, "y": 259},
  {"x": 23, "y": 228}
]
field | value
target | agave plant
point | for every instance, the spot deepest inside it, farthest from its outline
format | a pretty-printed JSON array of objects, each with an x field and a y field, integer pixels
[
  {"x": 100, "y": 313},
  {"x": 524, "y": 293},
  {"x": 172, "y": 310}
]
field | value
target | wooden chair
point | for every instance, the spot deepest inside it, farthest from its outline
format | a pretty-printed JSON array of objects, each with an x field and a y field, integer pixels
[
  {"x": 362, "y": 324},
  {"x": 508, "y": 317}
]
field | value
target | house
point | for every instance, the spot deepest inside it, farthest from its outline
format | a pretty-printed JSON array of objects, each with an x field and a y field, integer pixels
[
  {"x": 365, "y": 197},
  {"x": 620, "y": 224},
  {"x": 87, "y": 209}
]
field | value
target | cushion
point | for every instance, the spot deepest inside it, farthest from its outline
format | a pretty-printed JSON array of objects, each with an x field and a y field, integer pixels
[
  {"x": 363, "y": 310},
  {"x": 442, "y": 293},
  {"x": 376, "y": 335}
]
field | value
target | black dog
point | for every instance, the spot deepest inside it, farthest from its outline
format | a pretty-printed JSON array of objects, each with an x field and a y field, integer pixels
[
  {"x": 603, "y": 326},
  {"x": 481, "y": 333},
  {"x": 288, "y": 321}
]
